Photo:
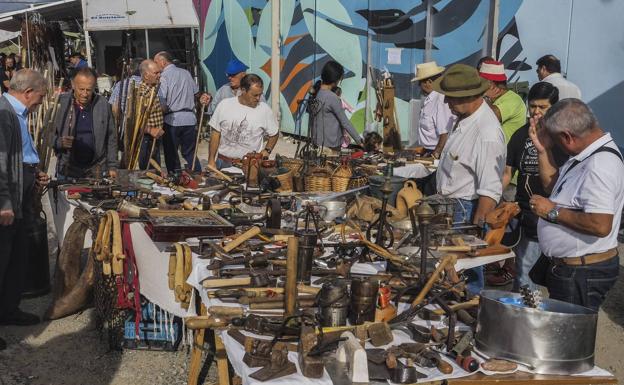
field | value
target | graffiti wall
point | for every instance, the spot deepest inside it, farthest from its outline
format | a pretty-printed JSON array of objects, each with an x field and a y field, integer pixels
[{"x": 392, "y": 34}]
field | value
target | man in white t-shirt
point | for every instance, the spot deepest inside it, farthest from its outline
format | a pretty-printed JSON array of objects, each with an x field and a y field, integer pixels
[
  {"x": 240, "y": 124},
  {"x": 549, "y": 70},
  {"x": 579, "y": 222}
]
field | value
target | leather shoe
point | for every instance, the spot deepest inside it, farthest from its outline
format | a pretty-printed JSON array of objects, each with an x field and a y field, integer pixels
[
  {"x": 3, "y": 344},
  {"x": 20, "y": 318}
]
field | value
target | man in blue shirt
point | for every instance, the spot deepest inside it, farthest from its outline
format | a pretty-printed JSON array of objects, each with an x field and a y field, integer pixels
[
  {"x": 19, "y": 177},
  {"x": 78, "y": 61},
  {"x": 179, "y": 91}
]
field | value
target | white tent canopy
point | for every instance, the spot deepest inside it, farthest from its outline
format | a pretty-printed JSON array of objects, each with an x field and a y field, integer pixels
[{"x": 101, "y": 15}]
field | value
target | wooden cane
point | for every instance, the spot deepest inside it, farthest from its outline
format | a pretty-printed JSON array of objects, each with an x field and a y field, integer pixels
[{"x": 199, "y": 128}]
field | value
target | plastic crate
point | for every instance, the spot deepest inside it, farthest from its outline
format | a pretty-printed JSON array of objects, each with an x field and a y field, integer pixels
[{"x": 152, "y": 333}]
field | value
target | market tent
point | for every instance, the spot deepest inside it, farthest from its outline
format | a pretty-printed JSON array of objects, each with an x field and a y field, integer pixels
[
  {"x": 12, "y": 11},
  {"x": 100, "y": 15}
]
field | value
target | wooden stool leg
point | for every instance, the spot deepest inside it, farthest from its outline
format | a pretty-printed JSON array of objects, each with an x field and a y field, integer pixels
[
  {"x": 196, "y": 353},
  {"x": 222, "y": 361}
]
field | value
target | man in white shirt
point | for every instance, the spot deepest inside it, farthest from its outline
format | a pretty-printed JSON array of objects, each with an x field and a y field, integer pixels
[
  {"x": 579, "y": 224},
  {"x": 472, "y": 162},
  {"x": 549, "y": 70},
  {"x": 240, "y": 124},
  {"x": 436, "y": 119}
]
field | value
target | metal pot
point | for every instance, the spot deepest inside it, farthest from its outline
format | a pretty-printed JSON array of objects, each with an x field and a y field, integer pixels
[
  {"x": 557, "y": 338},
  {"x": 335, "y": 209}
]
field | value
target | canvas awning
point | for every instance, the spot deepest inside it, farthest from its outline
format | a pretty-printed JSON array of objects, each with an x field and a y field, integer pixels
[{"x": 101, "y": 15}]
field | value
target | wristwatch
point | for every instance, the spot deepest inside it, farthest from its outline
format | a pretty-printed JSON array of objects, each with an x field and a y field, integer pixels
[
  {"x": 553, "y": 215},
  {"x": 268, "y": 150}
]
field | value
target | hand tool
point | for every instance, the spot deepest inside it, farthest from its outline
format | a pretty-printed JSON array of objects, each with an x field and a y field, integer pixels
[
  {"x": 279, "y": 366},
  {"x": 380, "y": 334},
  {"x": 237, "y": 311},
  {"x": 311, "y": 366},
  {"x": 219, "y": 174},
  {"x": 199, "y": 129},
  {"x": 214, "y": 283},
  {"x": 363, "y": 300},
  {"x": 406, "y": 374},
  {"x": 446, "y": 260},
  {"x": 204, "y": 322},
  {"x": 225, "y": 250},
  {"x": 468, "y": 363},
  {"x": 302, "y": 303}
]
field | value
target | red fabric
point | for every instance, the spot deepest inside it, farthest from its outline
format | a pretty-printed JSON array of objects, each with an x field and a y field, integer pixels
[{"x": 75, "y": 190}]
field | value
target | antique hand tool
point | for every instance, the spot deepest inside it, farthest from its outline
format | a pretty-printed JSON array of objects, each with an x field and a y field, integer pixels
[
  {"x": 302, "y": 303},
  {"x": 239, "y": 240},
  {"x": 279, "y": 366},
  {"x": 219, "y": 174},
  {"x": 214, "y": 283},
  {"x": 290, "y": 292},
  {"x": 311, "y": 366},
  {"x": 237, "y": 311},
  {"x": 406, "y": 374},
  {"x": 204, "y": 322},
  {"x": 449, "y": 259}
]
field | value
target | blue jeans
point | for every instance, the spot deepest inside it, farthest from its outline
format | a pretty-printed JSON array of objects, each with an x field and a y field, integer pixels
[
  {"x": 527, "y": 253},
  {"x": 223, "y": 164},
  {"x": 146, "y": 147},
  {"x": 582, "y": 285},
  {"x": 463, "y": 212},
  {"x": 182, "y": 137}
]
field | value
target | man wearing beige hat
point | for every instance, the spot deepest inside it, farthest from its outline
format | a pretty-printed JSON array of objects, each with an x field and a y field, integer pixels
[
  {"x": 473, "y": 160},
  {"x": 436, "y": 119}
]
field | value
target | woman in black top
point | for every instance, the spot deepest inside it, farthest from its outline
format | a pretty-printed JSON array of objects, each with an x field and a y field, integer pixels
[{"x": 522, "y": 157}]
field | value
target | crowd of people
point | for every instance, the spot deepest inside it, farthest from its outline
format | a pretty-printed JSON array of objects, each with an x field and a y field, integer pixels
[{"x": 554, "y": 159}]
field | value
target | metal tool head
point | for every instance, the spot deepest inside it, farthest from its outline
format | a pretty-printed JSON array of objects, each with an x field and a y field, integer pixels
[{"x": 404, "y": 374}]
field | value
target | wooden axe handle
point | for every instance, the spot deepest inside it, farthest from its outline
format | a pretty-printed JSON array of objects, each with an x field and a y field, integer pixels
[
  {"x": 459, "y": 306},
  {"x": 490, "y": 250},
  {"x": 434, "y": 277},
  {"x": 226, "y": 311},
  {"x": 226, "y": 282},
  {"x": 247, "y": 235},
  {"x": 204, "y": 322},
  {"x": 153, "y": 163},
  {"x": 219, "y": 173},
  {"x": 459, "y": 249}
]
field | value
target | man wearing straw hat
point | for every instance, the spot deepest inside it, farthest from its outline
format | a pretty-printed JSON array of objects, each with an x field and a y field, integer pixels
[
  {"x": 473, "y": 160},
  {"x": 436, "y": 119},
  {"x": 85, "y": 141}
]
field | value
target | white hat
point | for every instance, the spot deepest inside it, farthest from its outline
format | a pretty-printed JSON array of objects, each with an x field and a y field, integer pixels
[{"x": 427, "y": 70}]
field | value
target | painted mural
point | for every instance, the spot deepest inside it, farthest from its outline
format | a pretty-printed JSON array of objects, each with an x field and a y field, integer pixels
[{"x": 315, "y": 31}]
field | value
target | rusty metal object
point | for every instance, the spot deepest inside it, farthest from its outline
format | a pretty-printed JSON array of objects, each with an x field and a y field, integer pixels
[
  {"x": 380, "y": 334},
  {"x": 363, "y": 300},
  {"x": 333, "y": 301},
  {"x": 311, "y": 366},
  {"x": 279, "y": 366}
]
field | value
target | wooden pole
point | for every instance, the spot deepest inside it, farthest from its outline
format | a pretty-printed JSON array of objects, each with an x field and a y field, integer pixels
[
  {"x": 199, "y": 128},
  {"x": 291, "y": 277}
]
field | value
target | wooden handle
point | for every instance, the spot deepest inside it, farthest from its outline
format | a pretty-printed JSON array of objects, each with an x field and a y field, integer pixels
[
  {"x": 280, "y": 305},
  {"x": 490, "y": 250},
  {"x": 219, "y": 173},
  {"x": 291, "y": 277},
  {"x": 444, "y": 366},
  {"x": 434, "y": 277},
  {"x": 187, "y": 205},
  {"x": 171, "y": 272},
  {"x": 458, "y": 249},
  {"x": 226, "y": 311},
  {"x": 226, "y": 282},
  {"x": 204, "y": 322},
  {"x": 247, "y": 235},
  {"x": 154, "y": 164},
  {"x": 179, "y": 272},
  {"x": 459, "y": 306}
]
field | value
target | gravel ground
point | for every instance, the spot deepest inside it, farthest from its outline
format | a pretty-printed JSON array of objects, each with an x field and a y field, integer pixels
[{"x": 70, "y": 351}]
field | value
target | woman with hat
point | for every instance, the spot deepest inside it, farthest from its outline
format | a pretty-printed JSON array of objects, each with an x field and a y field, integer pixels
[
  {"x": 472, "y": 162},
  {"x": 329, "y": 118},
  {"x": 436, "y": 119}
]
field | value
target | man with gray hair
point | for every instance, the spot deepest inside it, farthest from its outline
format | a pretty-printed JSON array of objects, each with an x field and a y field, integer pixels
[
  {"x": 579, "y": 223},
  {"x": 18, "y": 176},
  {"x": 180, "y": 93}
]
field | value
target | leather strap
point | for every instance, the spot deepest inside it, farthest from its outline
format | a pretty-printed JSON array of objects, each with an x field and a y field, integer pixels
[{"x": 588, "y": 259}]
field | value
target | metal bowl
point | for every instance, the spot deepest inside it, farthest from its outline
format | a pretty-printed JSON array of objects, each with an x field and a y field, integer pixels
[{"x": 335, "y": 209}]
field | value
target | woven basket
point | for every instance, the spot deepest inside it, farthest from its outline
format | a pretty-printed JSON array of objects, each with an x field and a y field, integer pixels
[
  {"x": 286, "y": 181},
  {"x": 358, "y": 181},
  {"x": 294, "y": 165},
  {"x": 368, "y": 169},
  {"x": 341, "y": 178},
  {"x": 318, "y": 179}
]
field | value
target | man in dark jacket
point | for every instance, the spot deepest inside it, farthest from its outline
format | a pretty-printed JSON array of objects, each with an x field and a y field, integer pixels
[
  {"x": 85, "y": 141},
  {"x": 18, "y": 176}
]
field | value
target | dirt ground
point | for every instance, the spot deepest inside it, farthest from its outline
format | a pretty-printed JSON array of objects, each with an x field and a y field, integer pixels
[{"x": 70, "y": 351}]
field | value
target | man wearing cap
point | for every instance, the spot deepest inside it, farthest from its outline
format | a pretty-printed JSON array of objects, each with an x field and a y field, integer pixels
[
  {"x": 549, "y": 70},
  {"x": 436, "y": 119},
  {"x": 180, "y": 93},
  {"x": 473, "y": 160},
  {"x": 234, "y": 71},
  {"x": 506, "y": 104}
]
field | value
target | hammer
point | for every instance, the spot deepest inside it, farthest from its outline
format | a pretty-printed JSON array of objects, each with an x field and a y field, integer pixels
[{"x": 247, "y": 235}]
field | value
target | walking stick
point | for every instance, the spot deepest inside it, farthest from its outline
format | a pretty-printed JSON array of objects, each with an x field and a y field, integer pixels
[{"x": 201, "y": 121}]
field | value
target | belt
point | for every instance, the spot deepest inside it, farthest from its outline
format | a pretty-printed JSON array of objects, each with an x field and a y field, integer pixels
[
  {"x": 588, "y": 259},
  {"x": 182, "y": 110},
  {"x": 227, "y": 158},
  {"x": 30, "y": 165}
]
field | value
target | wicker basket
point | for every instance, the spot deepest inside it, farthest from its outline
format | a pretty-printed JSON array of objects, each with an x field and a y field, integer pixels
[
  {"x": 341, "y": 178},
  {"x": 318, "y": 179},
  {"x": 294, "y": 165},
  {"x": 358, "y": 181},
  {"x": 286, "y": 181}
]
